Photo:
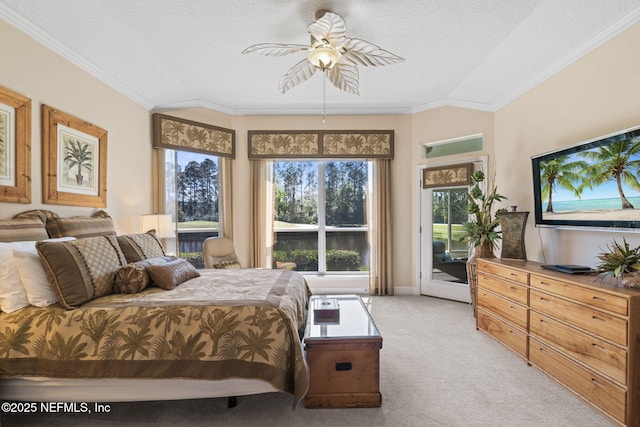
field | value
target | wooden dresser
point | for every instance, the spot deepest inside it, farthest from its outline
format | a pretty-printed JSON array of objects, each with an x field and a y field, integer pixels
[{"x": 581, "y": 331}]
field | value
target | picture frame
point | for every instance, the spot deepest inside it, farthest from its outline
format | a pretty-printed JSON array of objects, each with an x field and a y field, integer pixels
[
  {"x": 74, "y": 160},
  {"x": 15, "y": 147}
]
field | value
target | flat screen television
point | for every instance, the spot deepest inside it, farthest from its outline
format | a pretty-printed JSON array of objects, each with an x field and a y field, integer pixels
[{"x": 595, "y": 183}]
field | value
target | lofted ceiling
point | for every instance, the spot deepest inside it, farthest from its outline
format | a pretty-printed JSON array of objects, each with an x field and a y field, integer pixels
[{"x": 167, "y": 54}]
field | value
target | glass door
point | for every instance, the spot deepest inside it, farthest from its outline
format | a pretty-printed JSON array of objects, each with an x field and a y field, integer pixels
[
  {"x": 444, "y": 251},
  {"x": 449, "y": 248}
]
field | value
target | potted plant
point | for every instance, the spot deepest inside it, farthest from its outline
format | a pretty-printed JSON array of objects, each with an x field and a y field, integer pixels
[
  {"x": 621, "y": 262},
  {"x": 482, "y": 229}
]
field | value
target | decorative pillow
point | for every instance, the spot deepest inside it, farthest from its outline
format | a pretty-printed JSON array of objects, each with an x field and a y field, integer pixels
[
  {"x": 82, "y": 269},
  {"x": 43, "y": 214},
  {"x": 228, "y": 263},
  {"x": 32, "y": 274},
  {"x": 170, "y": 275},
  {"x": 22, "y": 229},
  {"x": 133, "y": 277},
  {"x": 99, "y": 224},
  {"x": 137, "y": 247},
  {"x": 13, "y": 296},
  {"x": 286, "y": 265}
]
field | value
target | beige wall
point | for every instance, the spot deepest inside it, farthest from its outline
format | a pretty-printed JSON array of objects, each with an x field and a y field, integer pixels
[
  {"x": 595, "y": 96},
  {"x": 46, "y": 78}
]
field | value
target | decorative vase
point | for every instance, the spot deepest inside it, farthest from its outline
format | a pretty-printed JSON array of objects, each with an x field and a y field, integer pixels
[
  {"x": 631, "y": 280},
  {"x": 481, "y": 251},
  {"x": 513, "y": 225}
]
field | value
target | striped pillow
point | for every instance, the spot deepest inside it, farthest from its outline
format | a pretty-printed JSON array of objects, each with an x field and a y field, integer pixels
[
  {"x": 81, "y": 270},
  {"x": 99, "y": 224},
  {"x": 43, "y": 214},
  {"x": 22, "y": 229}
]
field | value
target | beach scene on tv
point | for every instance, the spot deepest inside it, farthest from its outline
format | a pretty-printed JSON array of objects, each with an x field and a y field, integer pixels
[{"x": 598, "y": 184}]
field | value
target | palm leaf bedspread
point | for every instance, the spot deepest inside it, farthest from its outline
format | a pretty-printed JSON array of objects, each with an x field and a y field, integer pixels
[{"x": 236, "y": 323}]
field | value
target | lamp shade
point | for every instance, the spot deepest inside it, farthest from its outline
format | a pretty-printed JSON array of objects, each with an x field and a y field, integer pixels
[{"x": 159, "y": 222}]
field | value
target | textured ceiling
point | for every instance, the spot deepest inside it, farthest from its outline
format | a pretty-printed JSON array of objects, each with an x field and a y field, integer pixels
[{"x": 171, "y": 54}]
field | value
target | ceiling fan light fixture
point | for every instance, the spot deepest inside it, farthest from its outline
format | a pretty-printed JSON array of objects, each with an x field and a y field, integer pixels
[
  {"x": 323, "y": 55},
  {"x": 331, "y": 51}
]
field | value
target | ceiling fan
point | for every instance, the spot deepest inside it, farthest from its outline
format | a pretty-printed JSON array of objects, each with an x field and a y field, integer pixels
[{"x": 331, "y": 51}]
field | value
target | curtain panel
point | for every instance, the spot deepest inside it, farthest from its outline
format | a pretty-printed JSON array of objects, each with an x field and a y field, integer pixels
[
  {"x": 321, "y": 144},
  {"x": 380, "y": 231},
  {"x": 261, "y": 213},
  {"x": 181, "y": 134},
  {"x": 226, "y": 196}
]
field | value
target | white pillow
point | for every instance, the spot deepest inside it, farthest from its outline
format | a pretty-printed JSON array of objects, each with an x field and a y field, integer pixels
[
  {"x": 13, "y": 296},
  {"x": 32, "y": 273}
]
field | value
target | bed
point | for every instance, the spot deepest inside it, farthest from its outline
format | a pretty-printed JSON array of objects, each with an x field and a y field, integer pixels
[{"x": 219, "y": 333}]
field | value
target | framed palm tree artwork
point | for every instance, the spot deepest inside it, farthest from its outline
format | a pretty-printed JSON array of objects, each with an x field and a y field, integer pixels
[
  {"x": 74, "y": 160},
  {"x": 15, "y": 147}
]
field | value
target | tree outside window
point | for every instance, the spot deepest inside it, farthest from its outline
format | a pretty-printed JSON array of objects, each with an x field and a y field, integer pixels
[
  {"x": 320, "y": 215},
  {"x": 192, "y": 197}
]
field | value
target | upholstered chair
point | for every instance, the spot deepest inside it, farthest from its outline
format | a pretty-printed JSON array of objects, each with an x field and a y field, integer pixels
[{"x": 219, "y": 252}]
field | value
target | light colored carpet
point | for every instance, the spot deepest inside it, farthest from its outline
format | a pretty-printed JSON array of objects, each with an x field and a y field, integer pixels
[{"x": 436, "y": 370}]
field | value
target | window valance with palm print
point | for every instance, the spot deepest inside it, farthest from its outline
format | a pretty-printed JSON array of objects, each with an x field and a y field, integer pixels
[
  {"x": 344, "y": 144},
  {"x": 447, "y": 175},
  {"x": 180, "y": 134}
]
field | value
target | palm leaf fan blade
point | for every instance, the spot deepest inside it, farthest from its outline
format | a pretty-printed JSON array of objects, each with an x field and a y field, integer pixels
[
  {"x": 344, "y": 76},
  {"x": 330, "y": 27},
  {"x": 368, "y": 54},
  {"x": 300, "y": 72},
  {"x": 275, "y": 49}
]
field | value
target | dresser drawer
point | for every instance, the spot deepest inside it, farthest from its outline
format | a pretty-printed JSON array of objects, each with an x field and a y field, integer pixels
[
  {"x": 592, "y": 387},
  {"x": 514, "y": 291},
  {"x": 597, "y": 322},
  {"x": 503, "y": 271},
  {"x": 592, "y": 297},
  {"x": 600, "y": 355},
  {"x": 511, "y": 337},
  {"x": 508, "y": 310}
]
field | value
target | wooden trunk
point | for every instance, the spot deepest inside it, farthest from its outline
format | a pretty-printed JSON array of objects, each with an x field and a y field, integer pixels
[{"x": 344, "y": 373}]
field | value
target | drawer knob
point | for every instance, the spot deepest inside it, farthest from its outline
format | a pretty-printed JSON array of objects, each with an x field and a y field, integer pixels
[
  {"x": 597, "y": 318},
  {"x": 596, "y": 382},
  {"x": 599, "y": 299},
  {"x": 343, "y": 366}
]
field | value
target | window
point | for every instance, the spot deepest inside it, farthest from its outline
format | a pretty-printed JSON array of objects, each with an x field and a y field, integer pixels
[
  {"x": 321, "y": 215},
  {"x": 192, "y": 198}
]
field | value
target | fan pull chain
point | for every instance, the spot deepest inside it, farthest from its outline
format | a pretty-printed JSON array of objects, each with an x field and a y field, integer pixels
[{"x": 324, "y": 95}]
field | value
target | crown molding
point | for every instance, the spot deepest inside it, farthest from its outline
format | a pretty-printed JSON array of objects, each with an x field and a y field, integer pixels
[
  {"x": 30, "y": 29},
  {"x": 42, "y": 37},
  {"x": 451, "y": 102},
  {"x": 604, "y": 36}
]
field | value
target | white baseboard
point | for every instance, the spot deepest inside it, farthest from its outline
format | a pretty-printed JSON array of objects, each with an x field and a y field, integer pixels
[{"x": 406, "y": 290}]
